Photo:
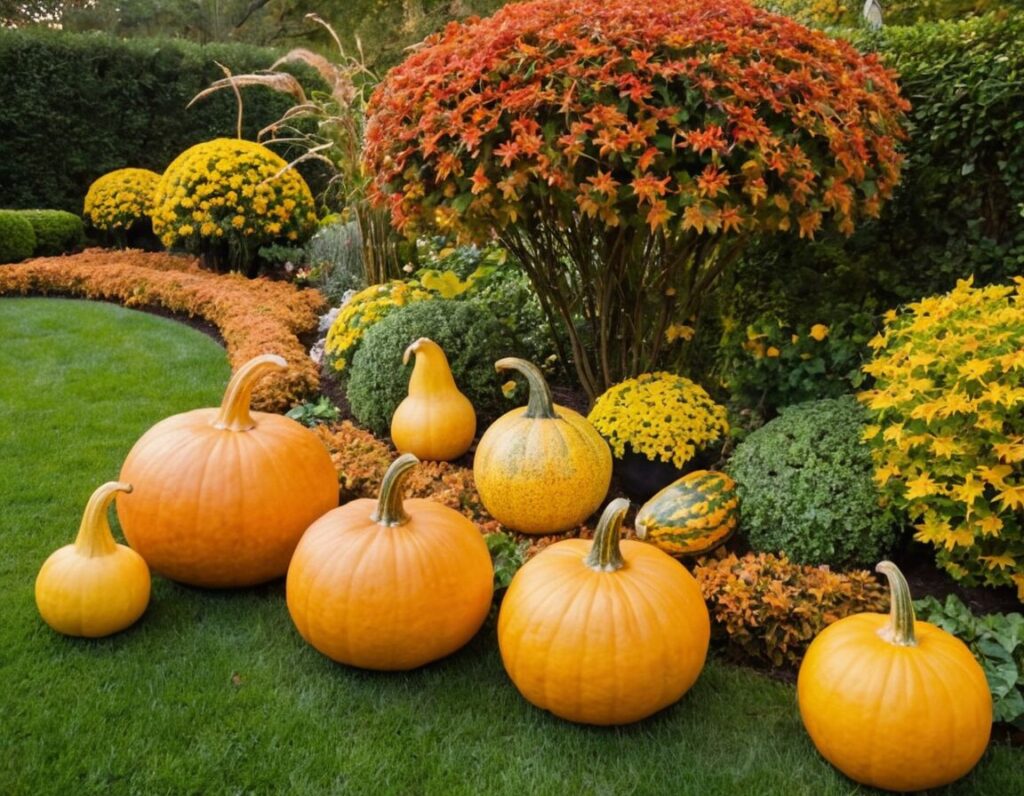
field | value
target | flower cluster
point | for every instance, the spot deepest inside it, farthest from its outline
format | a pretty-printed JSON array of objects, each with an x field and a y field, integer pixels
[
  {"x": 660, "y": 415},
  {"x": 820, "y": 13},
  {"x": 948, "y": 436},
  {"x": 703, "y": 115},
  {"x": 120, "y": 198},
  {"x": 254, "y": 316},
  {"x": 232, "y": 190},
  {"x": 376, "y": 302},
  {"x": 769, "y": 609}
]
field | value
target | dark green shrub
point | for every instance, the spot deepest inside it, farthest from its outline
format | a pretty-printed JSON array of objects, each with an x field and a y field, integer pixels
[
  {"x": 93, "y": 103},
  {"x": 17, "y": 239},
  {"x": 57, "y": 231},
  {"x": 471, "y": 339},
  {"x": 806, "y": 487}
]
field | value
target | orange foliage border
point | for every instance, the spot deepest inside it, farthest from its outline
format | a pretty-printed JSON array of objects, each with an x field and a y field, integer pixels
[{"x": 254, "y": 316}]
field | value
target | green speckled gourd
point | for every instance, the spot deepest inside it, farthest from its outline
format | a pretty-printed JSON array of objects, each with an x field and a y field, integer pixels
[{"x": 691, "y": 516}]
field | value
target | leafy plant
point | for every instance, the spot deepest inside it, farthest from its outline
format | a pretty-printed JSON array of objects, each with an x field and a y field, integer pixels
[
  {"x": 661, "y": 416},
  {"x": 471, "y": 339},
  {"x": 768, "y": 609},
  {"x": 334, "y": 256},
  {"x": 507, "y": 556},
  {"x": 948, "y": 432},
  {"x": 623, "y": 153},
  {"x": 17, "y": 238},
  {"x": 314, "y": 413},
  {"x": 997, "y": 641},
  {"x": 806, "y": 487}
]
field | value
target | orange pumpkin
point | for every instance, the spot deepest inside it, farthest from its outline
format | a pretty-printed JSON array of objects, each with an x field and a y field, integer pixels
[
  {"x": 541, "y": 468},
  {"x": 222, "y": 496},
  {"x": 435, "y": 421},
  {"x": 892, "y": 702},
  {"x": 390, "y": 584},
  {"x": 603, "y": 632}
]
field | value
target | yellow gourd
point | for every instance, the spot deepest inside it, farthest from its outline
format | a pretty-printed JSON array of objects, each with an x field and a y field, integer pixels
[
  {"x": 435, "y": 422},
  {"x": 95, "y": 586}
]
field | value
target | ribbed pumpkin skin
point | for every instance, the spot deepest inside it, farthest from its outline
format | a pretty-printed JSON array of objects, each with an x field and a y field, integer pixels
[
  {"x": 603, "y": 647},
  {"x": 892, "y": 717},
  {"x": 542, "y": 475},
  {"x": 693, "y": 515},
  {"x": 219, "y": 508},
  {"x": 390, "y": 598}
]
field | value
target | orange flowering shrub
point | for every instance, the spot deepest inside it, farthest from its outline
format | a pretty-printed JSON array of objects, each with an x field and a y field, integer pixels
[
  {"x": 638, "y": 143},
  {"x": 770, "y": 610},
  {"x": 253, "y": 316}
]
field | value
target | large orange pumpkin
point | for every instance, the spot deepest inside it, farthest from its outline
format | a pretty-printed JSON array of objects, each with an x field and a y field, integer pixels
[
  {"x": 603, "y": 632},
  {"x": 892, "y": 702},
  {"x": 541, "y": 468},
  {"x": 390, "y": 584},
  {"x": 222, "y": 496}
]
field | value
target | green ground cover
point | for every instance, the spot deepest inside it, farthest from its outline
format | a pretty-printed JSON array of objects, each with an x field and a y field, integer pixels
[{"x": 214, "y": 692}]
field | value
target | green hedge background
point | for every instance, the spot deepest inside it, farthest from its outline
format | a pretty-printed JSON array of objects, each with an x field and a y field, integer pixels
[{"x": 80, "y": 105}]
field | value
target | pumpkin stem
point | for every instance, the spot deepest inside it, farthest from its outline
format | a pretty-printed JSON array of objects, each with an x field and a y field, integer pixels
[
  {"x": 94, "y": 535},
  {"x": 390, "y": 511},
  {"x": 540, "y": 405},
  {"x": 431, "y": 371},
  {"x": 234, "y": 408},
  {"x": 900, "y": 630},
  {"x": 605, "y": 555}
]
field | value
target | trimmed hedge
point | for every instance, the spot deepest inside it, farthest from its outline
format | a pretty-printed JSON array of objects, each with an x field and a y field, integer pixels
[
  {"x": 57, "y": 231},
  {"x": 79, "y": 105},
  {"x": 17, "y": 239}
]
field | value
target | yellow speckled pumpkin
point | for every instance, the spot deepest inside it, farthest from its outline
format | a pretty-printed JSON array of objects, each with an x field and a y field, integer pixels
[
  {"x": 603, "y": 631},
  {"x": 541, "y": 468}
]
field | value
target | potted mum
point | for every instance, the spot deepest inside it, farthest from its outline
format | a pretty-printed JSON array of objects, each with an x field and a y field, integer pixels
[{"x": 659, "y": 426}]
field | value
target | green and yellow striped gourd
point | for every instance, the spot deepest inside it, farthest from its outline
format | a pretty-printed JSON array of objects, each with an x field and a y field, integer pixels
[{"x": 691, "y": 516}]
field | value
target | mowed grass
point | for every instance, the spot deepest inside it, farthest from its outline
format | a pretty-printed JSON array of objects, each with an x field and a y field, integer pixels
[{"x": 214, "y": 692}]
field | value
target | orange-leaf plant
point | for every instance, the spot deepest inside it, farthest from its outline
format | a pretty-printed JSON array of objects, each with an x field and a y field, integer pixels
[{"x": 624, "y": 152}]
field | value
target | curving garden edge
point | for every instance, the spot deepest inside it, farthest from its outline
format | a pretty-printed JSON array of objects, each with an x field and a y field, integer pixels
[{"x": 254, "y": 316}]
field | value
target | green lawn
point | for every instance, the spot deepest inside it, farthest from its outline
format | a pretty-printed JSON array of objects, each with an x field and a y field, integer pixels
[{"x": 214, "y": 692}]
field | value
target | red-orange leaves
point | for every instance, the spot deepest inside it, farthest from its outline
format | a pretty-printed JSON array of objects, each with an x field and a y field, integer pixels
[{"x": 705, "y": 110}]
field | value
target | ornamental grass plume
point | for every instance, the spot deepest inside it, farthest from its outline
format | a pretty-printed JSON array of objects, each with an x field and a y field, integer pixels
[{"x": 625, "y": 152}]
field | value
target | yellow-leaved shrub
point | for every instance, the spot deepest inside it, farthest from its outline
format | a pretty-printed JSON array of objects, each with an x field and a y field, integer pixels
[{"x": 948, "y": 430}]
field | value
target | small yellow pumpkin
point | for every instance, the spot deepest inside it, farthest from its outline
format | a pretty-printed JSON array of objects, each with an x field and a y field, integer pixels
[
  {"x": 603, "y": 632},
  {"x": 390, "y": 584},
  {"x": 222, "y": 496},
  {"x": 892, "y": 702},
  {"x": 95, "y": 586},
  {"x": 541, "y": 468},
  {"x": 435, "y": 421}
]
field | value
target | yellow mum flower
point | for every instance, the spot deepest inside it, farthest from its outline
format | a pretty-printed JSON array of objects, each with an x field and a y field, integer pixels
[{"x": 819, "y": 331}]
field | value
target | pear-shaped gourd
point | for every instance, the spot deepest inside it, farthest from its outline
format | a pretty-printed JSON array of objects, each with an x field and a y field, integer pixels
[
  {"x": 435, "y": 421},
  {"x": 603, "y": 632},
  {"x": 95, "y": 586}
]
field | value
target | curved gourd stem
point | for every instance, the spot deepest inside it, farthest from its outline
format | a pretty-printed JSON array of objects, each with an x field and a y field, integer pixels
[
  {"x": 234, "y": 408},
  {"x": 605, "y": 555},
  {"x": 94, "y": 535},
  {"x": 431, "y": 371},
  {"x": 540, "y": 405},
  {"x": 900, "y": 630},
  {"x": 390, "y": 511}
]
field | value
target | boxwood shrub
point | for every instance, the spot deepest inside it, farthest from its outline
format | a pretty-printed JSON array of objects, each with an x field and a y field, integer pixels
[
  {"x": 17, "y": 239},
  {"x": 806, "y": 487},
  {"x": 57, "y": 231}
]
